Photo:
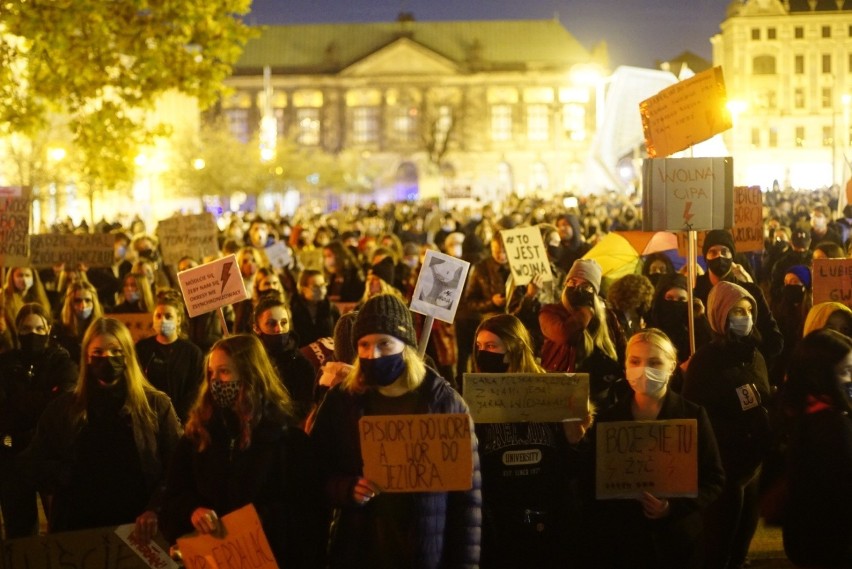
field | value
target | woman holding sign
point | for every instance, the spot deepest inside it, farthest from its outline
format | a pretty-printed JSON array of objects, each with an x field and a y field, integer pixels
[
  {"x": 242, "y": 446},
  {"x": 529, "y": 502},
  {"x": 380, "y": 529},
  {"x": 654, "y": 531}
]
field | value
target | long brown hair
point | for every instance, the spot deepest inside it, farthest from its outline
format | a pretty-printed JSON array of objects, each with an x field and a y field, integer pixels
[{"x": 517, "y": 340}]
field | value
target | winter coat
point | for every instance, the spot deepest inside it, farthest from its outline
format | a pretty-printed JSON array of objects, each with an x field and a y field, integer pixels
[
  {"x": 176, "y": 369},
  {"x": 311, "y": 328}
]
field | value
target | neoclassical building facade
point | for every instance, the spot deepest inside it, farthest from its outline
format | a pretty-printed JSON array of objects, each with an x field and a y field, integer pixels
[{"x": 788, "y": 67}]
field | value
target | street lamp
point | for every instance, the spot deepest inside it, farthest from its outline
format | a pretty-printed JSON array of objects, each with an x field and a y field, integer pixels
[{"x": 735, "y": 107}]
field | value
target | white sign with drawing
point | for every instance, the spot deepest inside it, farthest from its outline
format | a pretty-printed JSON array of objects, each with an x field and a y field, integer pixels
[{"x": 439, "y": 286}]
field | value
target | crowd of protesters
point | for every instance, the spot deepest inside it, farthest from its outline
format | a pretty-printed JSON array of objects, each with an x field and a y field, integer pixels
[{"x": 261, "y": 406}]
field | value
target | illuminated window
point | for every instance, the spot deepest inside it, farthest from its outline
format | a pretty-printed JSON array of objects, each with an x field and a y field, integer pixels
[
  {"x": 755, "y": 137},
  {"x": 764, "y": 65},
  {"x": 443, "y": 124},
  {"x": 405, "y": 122},
  {"x": 755, "y": 33},
  {"x": 501, "y": 123},
  {"x": 826, "y": 31},
  {"x": 798, "y": 32},
  {"x": 826, "y": 98},
  {"x": 799, "y": 98},
  {"x": 800, "y": 136},
  {"x": 849, "y": 63},
  {"x": 799, "y": 64},
  {"x": 574, "y": 121},
  {"x": 308, "y": 126},
  {"x": 827, "y": 137},
  {"x": 826, "y": 63},
  {"x": 538, "y": 123},
  {"x": 238, "y": 123},
  {"x": 365, "y": 125},
  {"x": 773, "y": 137},
  {"x": 770, "y": 33}
]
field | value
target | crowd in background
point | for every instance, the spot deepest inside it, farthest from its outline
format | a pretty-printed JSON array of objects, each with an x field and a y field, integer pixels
[{"x": 261, "y": 406}]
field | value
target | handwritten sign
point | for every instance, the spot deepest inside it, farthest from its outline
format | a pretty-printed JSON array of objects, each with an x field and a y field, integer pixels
[
  {"x": 439, "y": 286},
  {"x": 88, "y": 548},
  {"x": 687, "y": 194},
  {"x": 212, "y": 285},
  {"x": 140, "y": 324},
  {"x": 15, "y": 207},
  {"x": 417, "y": 453},
  {"x": 242, "y": 544},
  {"x": 832, "y": 281},
  {"x": 686, "y": 113},
  {"x": 658, "y": 457},
  {"x": 279, "y": 255},
  {"x": 187, "y": 235},
  {"x": 50, "y": 249},
  {"x": 522, "y": 397},
  {"x": 748, "y": 218},
  {"x": 150, "y": 552},
  {"x": 526, "y": 253}
]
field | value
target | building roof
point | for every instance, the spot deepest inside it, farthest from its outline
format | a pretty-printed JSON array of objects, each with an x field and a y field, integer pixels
[
  {"x": 821, "y": 6},
  {"x": 474, "y": 45}
]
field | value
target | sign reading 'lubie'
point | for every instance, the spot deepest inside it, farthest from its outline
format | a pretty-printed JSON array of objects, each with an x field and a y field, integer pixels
[{"x": 212, "y": 285}]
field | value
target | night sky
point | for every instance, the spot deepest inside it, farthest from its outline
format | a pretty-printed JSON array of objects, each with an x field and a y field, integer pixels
[{"x": 637, "y": 33}]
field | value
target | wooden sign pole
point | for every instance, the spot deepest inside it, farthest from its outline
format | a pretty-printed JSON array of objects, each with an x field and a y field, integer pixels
[{"x": 424, "y": 334}]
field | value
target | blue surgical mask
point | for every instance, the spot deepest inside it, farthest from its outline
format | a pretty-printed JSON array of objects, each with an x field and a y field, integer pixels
[
  {"x": 382, "y": 371},
  {"x": 647, "y": 380},
  {"x": 740, "y": 325},
  {"x": 167, "y": 328},
  {"x": 132, "y": 296}
]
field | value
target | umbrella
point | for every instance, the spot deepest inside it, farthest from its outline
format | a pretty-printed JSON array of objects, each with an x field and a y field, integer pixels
[{"x": 619, "y": 253}]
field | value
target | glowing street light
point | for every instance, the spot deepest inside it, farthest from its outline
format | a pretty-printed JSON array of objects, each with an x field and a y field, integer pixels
[{"x": 199, "y": 164}]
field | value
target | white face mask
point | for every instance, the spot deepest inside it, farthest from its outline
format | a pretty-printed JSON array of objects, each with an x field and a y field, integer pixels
[
  {"x": 740, "y": 325},
  {"x": 166, "y": 327},
  {"x": 647, "y": 380}
]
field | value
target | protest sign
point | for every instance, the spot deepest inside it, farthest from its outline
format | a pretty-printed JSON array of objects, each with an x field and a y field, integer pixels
[
  {"x": 100, "y": 547},
  {"x": 686, "y": 113},
  {"x": 417, "y": 453},
  {"x": 150, "y": 552},
  {"x": 683, "y": 194},
  {"x": 51, "y": 249},
  {"x": 242, "y": 543},
  {"x": 748, "y": 219},
  {"x": 522, "y": 397},
  {"x": 279, "y": 255},
  {"x": 140, "y": 324},
  {"x": 187, "y": 236},
  {"x": 658, "y": 457},
  {"x": 212, "y": 285},
  {"x": 439, "y": 286},
  {"x": 15, "y": 208},
  {"x": 527, "y": 254},
  {"x": 832, "y": 281}
]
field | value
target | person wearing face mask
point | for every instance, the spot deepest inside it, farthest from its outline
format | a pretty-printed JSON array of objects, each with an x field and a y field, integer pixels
[
  {"x": 242, "y": 446},
  {"x": 342, "y": 272},
  {"x": 528, "y": 507},
  {"x": 790, "y": 311},
  {"x": 136, "y": 294},
  {"x": 670, "y": 313},
  {"x": 80, "y": 308},
  {"x": 22, "y": 286},
  {"x": 271, "y": 322},
  {"x": 314, "y": 316},
  {"x": 375, "y": 529},
  {"x": 719, "y": 251},
  {"x": 823, "y": 228},
  {"x": 31, "y": 376},
  {"x": 107, "y": 280},
  {"x": 171, "y": 363},
  {"x": 656, "y": 532},
  {"x": 101, "y": 450},
  {"x": 729, "y": 378},
  {"x": 817, "y": 403}
]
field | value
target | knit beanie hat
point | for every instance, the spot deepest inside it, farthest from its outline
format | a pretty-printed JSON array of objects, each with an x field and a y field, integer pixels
[
  {"x": 803, "y": 273},
  {"x": 588, "y": 270},
  {"x": 344, "y": 345},
  {"x": 385, "y": 314},
  {"x": 721, "y": 299},
  {"x": 718, "y": 237}
]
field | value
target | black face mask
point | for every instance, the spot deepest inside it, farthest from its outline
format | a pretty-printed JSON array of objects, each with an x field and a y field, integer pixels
[
  {"x": 578, "y": 297},
  {"x": 553, "y": 251},
  {"x": 793, "y": 294},
  {"x": 33, "y": 344},
  {"x": 655, "y": 278},
  {"x": 275, "y": 343},
  {"x": 672, "y": 315},
  {"x": 106, "y": 371},
  {"x": 720, "y": 266},
  {"x": 491, "y": 362},
  {"x": 847, "y": 389}
]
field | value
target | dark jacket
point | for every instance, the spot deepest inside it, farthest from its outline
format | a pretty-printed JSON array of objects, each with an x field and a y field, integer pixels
[
  {"x": 307, "y": 328},
  {"x": 448, "y": 523},
  {"x": 486, "y": 279},
  {"x": 176, "y": 369},
  {"x": 671, "y": 542},
  {"x": 276, "y": 473},
  {"x": 297, "y": 374}
]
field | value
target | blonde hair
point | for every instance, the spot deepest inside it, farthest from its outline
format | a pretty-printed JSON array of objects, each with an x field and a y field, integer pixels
[
  {"x": 819, "y": 314},
  {"x": 600, "y": 338},
  {"x": 412, "y": 377},
  {"x": 657, "y": 338},
  {"x": 14, "y": 300},
  {"x": 68, "y": 316},
  {"x": 143, "y": 286}
]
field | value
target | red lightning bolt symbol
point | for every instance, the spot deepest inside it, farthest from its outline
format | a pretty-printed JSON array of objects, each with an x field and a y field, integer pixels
[
  {"x": 686, "y": 215},
  {"x": 226, "y": 272}
]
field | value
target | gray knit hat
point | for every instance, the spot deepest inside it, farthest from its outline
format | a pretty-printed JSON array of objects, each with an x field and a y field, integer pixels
[
  {"x": 721, "y": 299},
  {"x": 385, "y": 314},
  {"x": 344, "y": 345},
  {"x": 588, "y": 270}
]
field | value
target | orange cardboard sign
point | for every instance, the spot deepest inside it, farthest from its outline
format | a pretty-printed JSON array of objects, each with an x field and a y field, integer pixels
[
  {"x": 832, "y": 281},
  {"x": 241, "y": 544}
]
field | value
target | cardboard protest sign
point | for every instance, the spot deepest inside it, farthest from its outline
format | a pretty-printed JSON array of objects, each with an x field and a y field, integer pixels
[
  {"x": 279, "y": 255},
  {"x": 241, "y": 544},
  {"x": 212, "y": 285},
  {"x": 51, "y": 249},
  {"x": 417, "y": 453},
  {"x": 683, "y": 194},
  {"x": 140, "y": 324},
  {"x": 439, "y": 286},
  {"x": 15, "y": 206},
  {"x": 150, "y": 552},
  {"x": 658, "y": 457},
  {"x": 522, "y": 397},
  {"x": 188, "y": 236},
  {"x": 88, "y": 548},
  {"x": 748, "y": 219},
  {"x": 527, "y": 254},
  {"x": 686, "y": 113},
  {"x": 832, "y": 281}
]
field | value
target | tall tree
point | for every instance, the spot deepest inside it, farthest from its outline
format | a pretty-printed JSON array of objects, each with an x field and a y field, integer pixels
[{"x": 104, "y": 63}]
